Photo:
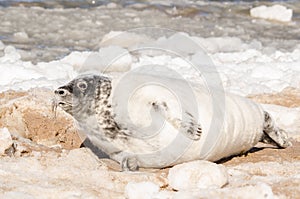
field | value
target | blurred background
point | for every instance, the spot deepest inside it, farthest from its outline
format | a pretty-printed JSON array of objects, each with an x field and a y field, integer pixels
[{"x": 44, "y": 30}]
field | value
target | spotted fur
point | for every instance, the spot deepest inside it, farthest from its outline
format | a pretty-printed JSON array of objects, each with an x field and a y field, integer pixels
[{"x": 274, "y": 135}]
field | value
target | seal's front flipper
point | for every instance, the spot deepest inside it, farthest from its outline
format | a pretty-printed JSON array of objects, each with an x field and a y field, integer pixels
[
  {"x": 274, "y": 135},
  {"x": 129, "y": 164},
  {"x": 192, "y": 130},
  {"x": 190, "y": 127},
  {"x": 187, "y": 125}
]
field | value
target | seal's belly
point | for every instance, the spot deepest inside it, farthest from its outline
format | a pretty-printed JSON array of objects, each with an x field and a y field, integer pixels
[
  {"x": 230, "y": 125},
  {"x": 240, "y": 130}
]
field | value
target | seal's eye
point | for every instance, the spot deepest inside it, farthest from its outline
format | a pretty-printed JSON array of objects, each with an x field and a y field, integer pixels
[{"x": 82, "y": 85}]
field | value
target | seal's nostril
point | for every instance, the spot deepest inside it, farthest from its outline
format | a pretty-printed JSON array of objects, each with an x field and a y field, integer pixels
[{"x": 60, "y": 92}]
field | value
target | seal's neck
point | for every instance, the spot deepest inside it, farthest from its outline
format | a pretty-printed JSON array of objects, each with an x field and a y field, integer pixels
[{"x": 104, "y": 110}]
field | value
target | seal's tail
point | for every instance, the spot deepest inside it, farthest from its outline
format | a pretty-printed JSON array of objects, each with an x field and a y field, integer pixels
[{"x": 274, "y": 135}]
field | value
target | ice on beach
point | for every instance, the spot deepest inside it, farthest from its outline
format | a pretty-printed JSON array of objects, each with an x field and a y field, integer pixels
[
  {"x": 124, "y": 39},
  {"x": 27, "y": 174},
  {"x": 243, "y": 68},
  {"x": 21, "y": 36},
  {"x": 145, "y": 190},
  {"x": 197, "y": 175},
  {"x": 2, "y": 46},
  {"x": 261, "y": 71},
  {"x": 249, "y": 55},
  {"x": 19, "y": 75},
  {"x": 11, "y": 55},
  {"x": 5, "y": 140},
  {"x": 108, "y": 59},
  {"x": 275, "y": 12},
  {"x": 221, "y": 44},
  {"x": 266, "y": 172},
  {"x": 260, "y": 190},
  {"x": 180, "y": 43}
]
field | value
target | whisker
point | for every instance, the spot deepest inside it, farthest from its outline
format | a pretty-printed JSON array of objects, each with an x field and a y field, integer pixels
[{"x": 54, "y": 105}]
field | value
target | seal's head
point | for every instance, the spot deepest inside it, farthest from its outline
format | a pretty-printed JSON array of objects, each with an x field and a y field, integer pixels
[{"x": 82, "y": 94}]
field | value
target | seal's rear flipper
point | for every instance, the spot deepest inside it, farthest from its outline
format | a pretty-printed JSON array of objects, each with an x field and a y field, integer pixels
[{"x": 274, "y": 135}]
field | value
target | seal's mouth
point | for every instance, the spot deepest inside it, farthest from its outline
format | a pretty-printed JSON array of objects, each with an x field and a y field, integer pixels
[
  {"x": 61, "y": 103},
  {"x": 64, "y": 104}
]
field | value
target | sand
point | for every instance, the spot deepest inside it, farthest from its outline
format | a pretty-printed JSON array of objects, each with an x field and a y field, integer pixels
[{"x": 28, "y": 115}]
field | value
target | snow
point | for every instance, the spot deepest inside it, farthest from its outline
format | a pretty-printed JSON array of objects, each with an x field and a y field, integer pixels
[
  {"x": 197, "y": 175},
  {"x": 123, "y": 39},
  {"x": 275, "y": 12},
  {"x": 273, "y": 172},
  {"x": 220, "y": 44},
  {"x": 21, "y": 36},
  {"x": 260, "y": 190},
  {"x": 108, "y": 59},
  {"x": 145, "y": 190},
  {"x": 19, "y": 75},
  {"x": 2, "y": 46},
  {"x": 250, "y": 56},
  {"x": 75, "y": 174},
  {"x": 11, "y": 55},
  {"x": 50, "y": 172},
  {"x": 111, "y": 5},
  {"x": 249, "y": 69},
  {"x": 114, "y": 59},
  {"x": 244, "y": 66},
  {"x": 261, "y": 71}
]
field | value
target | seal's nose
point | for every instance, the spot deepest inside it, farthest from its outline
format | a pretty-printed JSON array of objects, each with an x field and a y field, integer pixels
[{"x": 61, "y": 92}]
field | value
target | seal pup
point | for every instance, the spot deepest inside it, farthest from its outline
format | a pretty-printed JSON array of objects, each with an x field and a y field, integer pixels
[{"x": 90, "y": 100}]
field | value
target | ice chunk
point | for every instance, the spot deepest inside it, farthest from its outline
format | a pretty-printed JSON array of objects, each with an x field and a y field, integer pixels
[
  {"x": 259, "y": 190},
  {"x": 220, "y": 44},
  {"x": 11, "y": 55},
  {"x": 13, "y": 73},
  {"x": 17, "y": 74},
  {"x": 2, "y": 46},
  {"x": 5, "y": 140},
  {"x": 21, "y": 36},
  {"x": 55, "y": 70},
  {"x": 111, "y": 5},
  {"x": 180, "y": 43},
  {"x": 275, "y": 12},
  {"x": 124, "y": 39},
  {"x": 108, "y": 59},
  {"x": 145, "y": 190},
  {"x": 267, "y": 71},
  {"x": 76, "y": 59},
  {"x": 197, "y": 174}
]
